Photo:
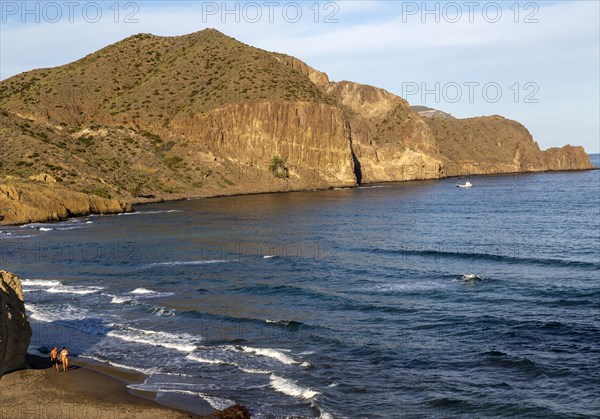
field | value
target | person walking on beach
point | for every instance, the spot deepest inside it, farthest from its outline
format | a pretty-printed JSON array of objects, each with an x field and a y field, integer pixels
[
  {"x": 64, "y": 358},
  {"x": 54, "y": 358}
]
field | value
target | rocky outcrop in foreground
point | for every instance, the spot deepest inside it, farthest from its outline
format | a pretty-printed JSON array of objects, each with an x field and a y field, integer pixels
[{"x": 15, "y": 332}]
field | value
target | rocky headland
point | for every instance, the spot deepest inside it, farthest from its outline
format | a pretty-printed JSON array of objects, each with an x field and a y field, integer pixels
[{"x": 157, "y": 118}]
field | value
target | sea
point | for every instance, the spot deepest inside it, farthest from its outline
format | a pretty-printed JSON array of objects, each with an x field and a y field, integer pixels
[{"x": 415, "y": 299}]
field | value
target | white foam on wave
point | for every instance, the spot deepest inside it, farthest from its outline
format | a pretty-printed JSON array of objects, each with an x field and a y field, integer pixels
[
  {"x": 217, "y": 361},
  {"x": 149, "y": 212},
  {"x": 147, "y": 371},
  {"x": 38, "y": 226},
  {"x": 470, "y": 278},
  {"x": 119, "y": 300},
  {"x": 325, "y": 415},
  {"x": 67, "y": 289},
  {"x": 45, "y": 313},
  {"x": 182, "y": 342},
  {"x": 72, "y": 224},
  {"x": 163, "y": 311},
  {"x": 270, "y": 353},
  {"x": 32, "y": 225},
  {"x": 142, "y": 291},
  {"x": 216, "y": 402},
  {"x": 269, "y": 256},
  {"x": 202, "y": 360},
  {"x": 27, "y": 283},
  {"x": 11, "y": 236},
  {"x": 57, "y": 287},
  {"x": 188, "y": 262},
  {"x": 291, "y": 388},
  {"x": 254, "y": 370},
  {"x": 281, "y": 322}
]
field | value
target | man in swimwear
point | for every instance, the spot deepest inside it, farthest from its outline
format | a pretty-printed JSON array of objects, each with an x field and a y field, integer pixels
[
  {"x": 64, "y": 358},
  {"x": 54, "y": 358}
]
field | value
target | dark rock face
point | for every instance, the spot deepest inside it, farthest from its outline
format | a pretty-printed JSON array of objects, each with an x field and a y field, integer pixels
[
  {"x": 15, "y": 332},
  {"x": 233, "y": 412}
]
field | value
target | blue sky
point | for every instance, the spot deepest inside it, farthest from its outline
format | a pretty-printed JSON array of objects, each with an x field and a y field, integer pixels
[{"x": 535, "y": 62}]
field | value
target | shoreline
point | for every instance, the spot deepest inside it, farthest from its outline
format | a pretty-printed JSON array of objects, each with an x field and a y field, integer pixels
[
  {"x": 88, "y": 389},
  {"x": 158, "y": 200},
  {"x": 39, "y": 391}
]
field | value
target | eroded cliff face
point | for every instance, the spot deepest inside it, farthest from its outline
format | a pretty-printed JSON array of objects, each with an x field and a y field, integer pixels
[
  {"x": 28, "y": 202},
  {"x": 311, "y": 138},
  {"x": 15, "y": 331},
  {"x": 389, "y": 140},
  {"x": 567, "y": 158},
  {"x": 493, "y": 144}
]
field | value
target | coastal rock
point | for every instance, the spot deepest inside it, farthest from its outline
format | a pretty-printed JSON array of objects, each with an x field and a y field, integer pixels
[
  {"x": 29, "y": 202},
  {"x": 493, "y": 144},
  {"x": 233, "y": 412},
  {"x": 567, "y": 158},
  {"x": 15, "y": 331}
]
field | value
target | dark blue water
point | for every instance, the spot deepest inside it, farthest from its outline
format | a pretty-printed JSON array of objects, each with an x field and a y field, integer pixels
[{"x": 415, "y": 299}]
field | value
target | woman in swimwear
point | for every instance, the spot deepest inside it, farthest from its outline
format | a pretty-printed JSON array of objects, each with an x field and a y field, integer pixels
[{"x": 64, "y": 358}]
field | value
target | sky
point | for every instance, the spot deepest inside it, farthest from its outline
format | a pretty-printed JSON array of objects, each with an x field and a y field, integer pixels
[{"x": 534, "y": 62}]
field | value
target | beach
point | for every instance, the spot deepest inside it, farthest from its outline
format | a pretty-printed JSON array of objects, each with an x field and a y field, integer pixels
[
  {"x": 83, "y": 391},
  {"x": 87, "y": 390}
]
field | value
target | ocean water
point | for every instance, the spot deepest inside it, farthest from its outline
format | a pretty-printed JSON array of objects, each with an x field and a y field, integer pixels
[{"x": 415, "y": 299}]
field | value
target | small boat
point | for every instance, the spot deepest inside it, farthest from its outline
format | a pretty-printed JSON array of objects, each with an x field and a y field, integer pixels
[{"x": 466, "y": 185}]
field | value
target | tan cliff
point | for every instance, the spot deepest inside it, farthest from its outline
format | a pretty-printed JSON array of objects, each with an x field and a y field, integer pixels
[
  {"x": 199, "y": 115},
  {"x": 494, "y": 144},
  {"x": 15, "y": 331},
  {"x": 28, "y": 202},
  {"x": 312, "y": 138}
]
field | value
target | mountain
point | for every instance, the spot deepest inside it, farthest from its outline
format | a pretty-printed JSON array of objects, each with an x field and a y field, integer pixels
[{"x": 152, "y": 118}]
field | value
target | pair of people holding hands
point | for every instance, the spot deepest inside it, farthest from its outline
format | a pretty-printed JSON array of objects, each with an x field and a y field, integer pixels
[{"x": 62, "y": 357}]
